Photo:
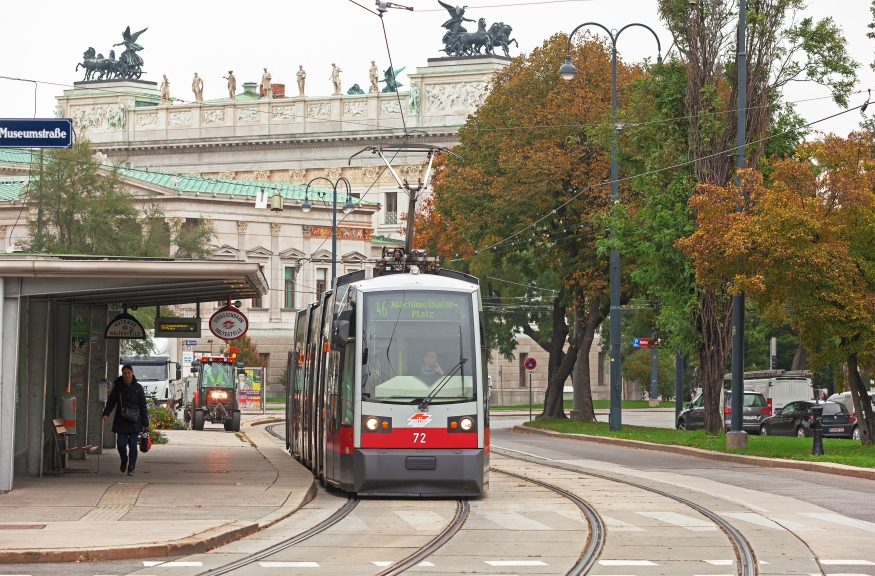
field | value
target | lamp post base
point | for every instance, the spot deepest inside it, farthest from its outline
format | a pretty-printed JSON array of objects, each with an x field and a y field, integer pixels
[
  {"x": 575, "y": 416},
  {"x": 736, "y": 440},
  {"x": 653, "y": 403}
]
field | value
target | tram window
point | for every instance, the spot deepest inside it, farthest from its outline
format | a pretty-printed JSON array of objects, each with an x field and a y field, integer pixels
[
  {"x": 415, "y": 341},
  {"x": 347, "y": 385}
]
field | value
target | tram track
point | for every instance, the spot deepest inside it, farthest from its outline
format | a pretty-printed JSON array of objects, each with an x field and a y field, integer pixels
[
  {"x": 596, "y": 540},
  {"x": 744, "y": 553}
]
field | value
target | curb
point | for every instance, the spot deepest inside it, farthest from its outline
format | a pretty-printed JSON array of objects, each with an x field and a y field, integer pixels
[
  {"x": 196, "y": 544},
  {"x": 823, "y": 467},
  {"x": 192, "y": 545}
]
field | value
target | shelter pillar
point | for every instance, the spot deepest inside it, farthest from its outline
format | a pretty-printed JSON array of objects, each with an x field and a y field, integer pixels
[
  {"x": 10, "y": 321},
  {"x": 38, "y": 431},
  {"x": 113, "y": 359}
]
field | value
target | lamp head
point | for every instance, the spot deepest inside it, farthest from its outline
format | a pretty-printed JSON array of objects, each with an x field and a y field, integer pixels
[
  {"x": 276, "y": 201},
  {"x": 306, "y": 205},
  {"x": 567, "y": 71},
  {"x": 349, "y": 206},
  {"x": 693, "y": 4}
]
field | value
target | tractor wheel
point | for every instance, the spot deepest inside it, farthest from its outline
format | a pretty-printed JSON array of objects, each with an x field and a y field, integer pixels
[
  {"x": 197, "y": 422},
  {"x": 235, "y": 421}
]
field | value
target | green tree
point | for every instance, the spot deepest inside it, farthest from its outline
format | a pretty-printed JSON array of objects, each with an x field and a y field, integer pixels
[
  {"x": 248, "y": 351},
  {"x": 684, "y": 111},
  {"x": 78, "y": 206}
]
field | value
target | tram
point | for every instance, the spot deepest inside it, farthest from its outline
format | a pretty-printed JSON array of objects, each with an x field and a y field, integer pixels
[{"x": 387, "y": 391}]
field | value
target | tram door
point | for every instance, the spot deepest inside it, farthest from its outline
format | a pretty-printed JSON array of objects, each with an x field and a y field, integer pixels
[
  {"x": 318, "y": 430},
  {"x": 296, "y": 387},
  {"x": 311, "y": 361}
]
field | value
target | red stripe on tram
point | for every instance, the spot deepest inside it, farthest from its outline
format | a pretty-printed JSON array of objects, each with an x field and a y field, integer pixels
[{"x": 419, "y": 438}]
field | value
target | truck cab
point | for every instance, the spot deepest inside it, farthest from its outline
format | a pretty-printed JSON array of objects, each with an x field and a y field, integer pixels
[
  {"x": 161, "y": 379},
  {"x": 212, "y": 397}
]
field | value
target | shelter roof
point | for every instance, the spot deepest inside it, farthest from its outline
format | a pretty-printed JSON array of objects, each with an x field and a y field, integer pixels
[{"x": 144, "y": 281}]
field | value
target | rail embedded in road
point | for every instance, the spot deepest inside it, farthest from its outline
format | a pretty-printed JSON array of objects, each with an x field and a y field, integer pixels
[
  {"x": 596, "y": 540},
  {"x": 746, "y": 562}
]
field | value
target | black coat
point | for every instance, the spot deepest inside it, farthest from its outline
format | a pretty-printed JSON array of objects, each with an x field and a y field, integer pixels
[{"x": 132, "y": 395}]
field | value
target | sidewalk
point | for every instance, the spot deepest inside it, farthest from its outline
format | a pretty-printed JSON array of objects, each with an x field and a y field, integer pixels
[{"x": 199, "y": 491}]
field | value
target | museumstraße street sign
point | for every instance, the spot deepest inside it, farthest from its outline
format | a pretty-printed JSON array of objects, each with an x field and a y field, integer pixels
[{"x": 36, "y": 133}]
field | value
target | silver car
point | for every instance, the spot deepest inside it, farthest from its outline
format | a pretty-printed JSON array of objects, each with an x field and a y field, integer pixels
[{"x": 755, "y": 410}]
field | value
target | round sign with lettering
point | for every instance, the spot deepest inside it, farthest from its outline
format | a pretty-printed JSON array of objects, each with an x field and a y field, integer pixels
[
  {"x": 530, "y": 364},
  {"x": 228, "y": 323}
]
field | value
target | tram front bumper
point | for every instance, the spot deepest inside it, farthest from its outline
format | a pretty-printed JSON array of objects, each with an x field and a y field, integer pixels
[{"x": 415, "y": 472}]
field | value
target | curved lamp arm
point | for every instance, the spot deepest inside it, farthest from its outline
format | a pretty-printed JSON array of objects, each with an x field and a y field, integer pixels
[{"x": 658, "y": 43}]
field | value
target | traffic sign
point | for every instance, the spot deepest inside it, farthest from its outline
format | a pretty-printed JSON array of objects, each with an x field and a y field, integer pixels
[
  {"x": 530, "y": 364},
  {"x": 36, "y": 133},
  {"x": 191, "y": 342},
  {"x": 229, "y": 323},
  {"x": 645, "y": 342}
]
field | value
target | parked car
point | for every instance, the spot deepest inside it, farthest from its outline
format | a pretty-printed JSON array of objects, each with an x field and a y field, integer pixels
[
  {"x": 692, "y": 417},
  {"x": 796, "y": 418},
  {"x": 756, "y": 409}
]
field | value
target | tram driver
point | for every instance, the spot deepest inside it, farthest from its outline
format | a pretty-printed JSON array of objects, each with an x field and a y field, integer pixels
[{"x": 431, "y": 367}]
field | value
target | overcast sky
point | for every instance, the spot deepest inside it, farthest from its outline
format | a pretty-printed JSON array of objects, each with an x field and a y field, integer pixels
[{"x": 44, "y": 39}]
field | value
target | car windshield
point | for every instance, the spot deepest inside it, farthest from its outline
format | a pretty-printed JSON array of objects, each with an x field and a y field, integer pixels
[
  {"x": 415, "y": 341},
  {"x": 150, "y": 372},
  {"x": 218, "y": 375}
]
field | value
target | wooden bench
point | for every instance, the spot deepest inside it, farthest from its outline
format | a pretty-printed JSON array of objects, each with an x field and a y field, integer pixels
[{"x": 61, "y": 433}]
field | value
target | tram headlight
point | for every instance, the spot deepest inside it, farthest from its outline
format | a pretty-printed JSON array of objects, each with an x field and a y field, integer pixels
[
  {"x": 372, "y": 423},
  {"x": 466, "y": 423}
]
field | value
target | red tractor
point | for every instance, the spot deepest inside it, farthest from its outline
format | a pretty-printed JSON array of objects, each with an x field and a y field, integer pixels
[{"x": 214, "y": 398}]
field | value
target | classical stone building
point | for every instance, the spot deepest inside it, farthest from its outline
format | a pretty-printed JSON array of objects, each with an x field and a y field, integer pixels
[{"x": 210, "y": 159}]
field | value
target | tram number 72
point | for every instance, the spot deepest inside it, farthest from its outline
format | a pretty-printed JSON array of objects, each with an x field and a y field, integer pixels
[{"x": 419, "y": 437}]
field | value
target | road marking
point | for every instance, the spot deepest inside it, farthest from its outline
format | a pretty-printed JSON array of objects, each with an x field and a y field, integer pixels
[
  {"x": 572, "y": 515},
  {"x": 847, "y": 563},
  {"x": 515, "y": 563},
  {"x": 754, "y": 518},
  {"x": 512, "y": 520},
  {"x": 381, "y": 563},
  {"x": 619, "y": 525},
  {"x": 288, "y": 564},
  {"x": 720, "y": 562},
  {"x": 427, "y": 520},
  {"x": 839, "y": 519},
  {"x": 425, "y": 564},
  {"x": 627, "y": 563},
  {"x": 687, "y": 522},
  {"x": 152, "y": 564}
]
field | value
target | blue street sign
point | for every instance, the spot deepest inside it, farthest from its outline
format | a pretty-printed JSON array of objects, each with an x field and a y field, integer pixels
[
  {"x": 636, "y": 342},
  {"x": 36, "y": 133},
  {"x": 191, "y": 342}
]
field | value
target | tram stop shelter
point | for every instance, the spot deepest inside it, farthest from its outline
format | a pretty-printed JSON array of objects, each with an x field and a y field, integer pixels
[{"x": 44, "y": 300}]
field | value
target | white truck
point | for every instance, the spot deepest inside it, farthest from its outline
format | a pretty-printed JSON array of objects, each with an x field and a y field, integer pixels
[
  {"x": 778, "y": 386},
  {"x": 161, "y": 378}
]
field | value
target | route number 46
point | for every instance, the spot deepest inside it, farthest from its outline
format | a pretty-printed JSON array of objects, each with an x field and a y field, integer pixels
[{"x": 419, "y": 437}]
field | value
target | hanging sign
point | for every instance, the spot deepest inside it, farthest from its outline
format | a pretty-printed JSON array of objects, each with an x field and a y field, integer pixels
[
  {"x": 177, "y": 327},
  {"x": 124, "y": 327},
  {"x": 228, "y": 323},
  {"x": 36, "y": 132}
]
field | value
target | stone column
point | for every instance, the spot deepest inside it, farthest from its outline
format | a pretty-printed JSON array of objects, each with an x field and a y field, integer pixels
[
  {"x": 173, "y": 223},
  {"x": 275, "y": 273},
  {"x": 241, "y": 239},
  {"x": 2, "y": 239}
]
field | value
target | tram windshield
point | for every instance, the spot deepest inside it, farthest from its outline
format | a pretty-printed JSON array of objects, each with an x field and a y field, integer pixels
[
  {"x": 418, "y": 344},
  {"x": 218, "y": 375}
]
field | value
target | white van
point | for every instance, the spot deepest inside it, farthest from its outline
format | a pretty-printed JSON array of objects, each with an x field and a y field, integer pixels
[{"x": 780, "y": 387}]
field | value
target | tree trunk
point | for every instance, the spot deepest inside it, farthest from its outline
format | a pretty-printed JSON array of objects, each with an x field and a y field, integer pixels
[
  {"x": 800, "y": 359},
  {"x": 713, "y": 320},
  {"x": 582, "y": 368},
  {"x": 862, "y": 404}
]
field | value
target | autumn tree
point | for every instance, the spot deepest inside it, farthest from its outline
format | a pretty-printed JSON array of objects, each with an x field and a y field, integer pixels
[
  {"x": 802, "y": 248},
  {"x": 685, "y": 118},
  {"x": 522, "y": 206}
]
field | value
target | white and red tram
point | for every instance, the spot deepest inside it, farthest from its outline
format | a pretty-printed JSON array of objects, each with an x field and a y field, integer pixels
[{"x": 387, "y": 387}]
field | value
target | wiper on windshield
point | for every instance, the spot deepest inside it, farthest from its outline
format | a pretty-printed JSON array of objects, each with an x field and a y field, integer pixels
[{"x": 423, "y": 406}]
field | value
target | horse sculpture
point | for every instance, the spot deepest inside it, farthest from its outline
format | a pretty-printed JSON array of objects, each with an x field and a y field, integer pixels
[
  {"x": 470, "y": 43},
  {"x": 499, "y": 34},
  {"x": 128, "y": 66},
  {"x": 103, "y": 68}
]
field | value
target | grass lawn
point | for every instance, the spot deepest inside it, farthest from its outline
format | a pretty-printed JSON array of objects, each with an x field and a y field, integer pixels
[
  {"x": 597, "y": 404},
  {"x": 839, "y": 451}
]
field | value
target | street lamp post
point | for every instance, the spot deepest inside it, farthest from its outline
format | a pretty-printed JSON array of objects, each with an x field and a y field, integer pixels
[
  {"x": 567, "y": 71},
  {"x": 347, "y": 208}
]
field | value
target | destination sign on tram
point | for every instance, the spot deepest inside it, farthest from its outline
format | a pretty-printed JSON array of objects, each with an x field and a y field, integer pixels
[{"x": 416, "y": 309}]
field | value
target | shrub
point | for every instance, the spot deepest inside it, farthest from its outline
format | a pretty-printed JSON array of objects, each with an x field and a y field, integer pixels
[{"x": 160, "y": 418}]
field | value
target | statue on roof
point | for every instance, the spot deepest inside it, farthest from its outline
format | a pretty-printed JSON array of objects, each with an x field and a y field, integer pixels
[
  {"x": 390, "y": 78},
  {"x": 129, "y": 64},
  {"x": 459, "y": 42},
  {"x": 356, "y": 89}
]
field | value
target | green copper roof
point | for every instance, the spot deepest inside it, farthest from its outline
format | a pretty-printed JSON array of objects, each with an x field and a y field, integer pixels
[
  {"x": 18, "y": 156},
  {"x": 242, "y": 97},
  {"x": 381, "y": 239},
  {"x": 11, "y": 187},
  {"x": 185, "y": 183}
]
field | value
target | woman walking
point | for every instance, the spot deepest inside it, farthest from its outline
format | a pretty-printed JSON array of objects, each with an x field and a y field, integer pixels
[{"x": 131, "y": 417}]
